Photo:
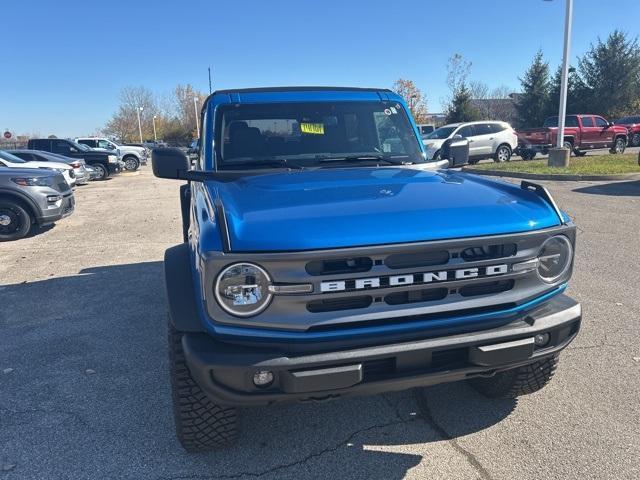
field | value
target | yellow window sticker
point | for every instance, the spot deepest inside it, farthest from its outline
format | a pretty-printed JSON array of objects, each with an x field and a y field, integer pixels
[{"x": 312, "y": 128}]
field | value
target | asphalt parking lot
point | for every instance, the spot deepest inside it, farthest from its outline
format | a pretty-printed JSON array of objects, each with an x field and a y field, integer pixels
[{"x": 83, "y": 366}]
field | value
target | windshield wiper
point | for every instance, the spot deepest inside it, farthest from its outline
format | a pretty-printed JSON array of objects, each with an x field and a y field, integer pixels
[
  {"x": 355, "y": 158},
  {"x": 265, "y": 162}
]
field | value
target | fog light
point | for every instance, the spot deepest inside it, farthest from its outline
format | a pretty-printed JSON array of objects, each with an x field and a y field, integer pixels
[
  {"x": 263, "y": 378},
  {"x": 541, "y": 339}
]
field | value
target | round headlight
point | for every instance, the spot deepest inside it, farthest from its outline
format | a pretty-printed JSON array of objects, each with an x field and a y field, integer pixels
[
  {"x": 242, "y": 289},
  {"x": 554, "y": 258}
]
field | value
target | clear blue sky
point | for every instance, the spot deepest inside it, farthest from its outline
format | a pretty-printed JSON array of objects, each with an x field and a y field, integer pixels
[{"x": 64, "y": 62}]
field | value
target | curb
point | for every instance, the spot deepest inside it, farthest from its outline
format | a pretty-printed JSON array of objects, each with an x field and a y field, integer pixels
[{"x": 551, "y": 176}]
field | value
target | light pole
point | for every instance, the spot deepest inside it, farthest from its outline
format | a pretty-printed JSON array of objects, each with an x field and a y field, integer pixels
[
  {"x": 412, "y": 103},
  {"x": 561, "y": 158},
  {"x": 195, "y": 109},
  {"x": 155, "y": 137},
  {"x": 138, "y": 110}
]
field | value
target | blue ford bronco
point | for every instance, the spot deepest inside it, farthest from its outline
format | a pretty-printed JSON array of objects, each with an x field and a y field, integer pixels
[{"x": 323, "y": 257}]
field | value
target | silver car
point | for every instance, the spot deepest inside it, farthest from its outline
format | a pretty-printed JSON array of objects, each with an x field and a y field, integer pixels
[
  {"x": 30, "y": 197},
  {"x": 487, "y": 139},
  {"x": 79, "y": 165}
]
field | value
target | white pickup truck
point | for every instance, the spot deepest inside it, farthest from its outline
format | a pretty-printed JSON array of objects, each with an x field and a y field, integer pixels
[{"x": 132, "y": 156}]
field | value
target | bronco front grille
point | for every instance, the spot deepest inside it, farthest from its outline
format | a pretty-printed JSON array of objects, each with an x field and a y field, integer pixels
[
  {"x": 416, "y": 296},
  {"x": 415, "y": 318},
  {"x": 489, "y": 252},
  {"x": 487, "y": 288},
  {"x": 391, "y": 284},
  {"x": 336, "y": 304}
]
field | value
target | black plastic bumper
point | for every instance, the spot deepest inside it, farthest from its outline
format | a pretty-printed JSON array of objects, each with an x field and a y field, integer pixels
[{"x": 225, "y": 371}]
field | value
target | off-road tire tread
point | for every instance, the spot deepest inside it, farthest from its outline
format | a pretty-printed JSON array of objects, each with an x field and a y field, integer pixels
[
  {"x": 519, "y": 381},
  {"x": 201, "y": 425}
]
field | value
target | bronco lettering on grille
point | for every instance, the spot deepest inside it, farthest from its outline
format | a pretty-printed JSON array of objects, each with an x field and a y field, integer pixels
[{"x": 413, "y": 278}]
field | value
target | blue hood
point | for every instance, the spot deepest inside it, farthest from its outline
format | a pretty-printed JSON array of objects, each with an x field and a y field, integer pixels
[{"x": 348, "y": 207}]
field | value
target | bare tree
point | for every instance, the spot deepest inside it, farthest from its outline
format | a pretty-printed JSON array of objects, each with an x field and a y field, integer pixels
[
  {"x": 493, "y": 104},
  {"x": 184, "y": 106},
  {"x": 414, "y": 98},
  {"x": 124, "y": 123},
  {"x": 478, "y": 89},
  {"x": 458, "y": 101},
  {"x": 458, "y": 70}
]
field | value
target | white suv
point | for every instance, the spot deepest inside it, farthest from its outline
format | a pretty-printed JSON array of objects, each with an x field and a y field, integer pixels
[
  {"x": 11, "y": 161},
  {"x": 132, "y": 156},
  {"x": 487, "y": 139}
]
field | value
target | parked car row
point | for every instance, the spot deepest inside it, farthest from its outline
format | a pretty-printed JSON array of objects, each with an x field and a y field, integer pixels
[
  {"x": 132, "y": 155},
  {"x": 36, "y": 183},
  {"x": 498, "y": 140}
]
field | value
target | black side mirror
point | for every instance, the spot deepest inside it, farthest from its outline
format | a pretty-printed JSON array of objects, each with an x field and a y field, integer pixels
[
  {"x": 169, "y": 162},
  {"x": 610, "y": 124},
  {"x": 456, "y": 150}
]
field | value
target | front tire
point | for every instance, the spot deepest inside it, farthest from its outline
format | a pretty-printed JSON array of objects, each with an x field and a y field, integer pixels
[
  {"x": 518, "y": 381},
  {"x": 619, "y": 146},
  {"x": 201, "y": 425},
  {"x": 102, "y": 170},
  {"x": 502, "y": 154},
  {"x": 131, "y": 164},
  {"x": 569, "y": 145},
  {"x": 15, "y": 221}
]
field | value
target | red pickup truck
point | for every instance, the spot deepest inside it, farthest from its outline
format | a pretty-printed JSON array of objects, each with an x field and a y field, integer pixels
[
  {"x": 581, "y": 133},
  {"x": 632, "y": 124}
]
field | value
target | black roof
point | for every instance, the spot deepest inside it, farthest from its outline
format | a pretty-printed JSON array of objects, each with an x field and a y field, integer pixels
[{"x": 299, "y": 89}]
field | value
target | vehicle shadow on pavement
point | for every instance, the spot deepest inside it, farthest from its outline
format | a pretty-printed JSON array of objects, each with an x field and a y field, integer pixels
[
  {"x": 621, "y": 189},
  {"x": 83, "y": 375},
  {"x": 38, "y": 230}
]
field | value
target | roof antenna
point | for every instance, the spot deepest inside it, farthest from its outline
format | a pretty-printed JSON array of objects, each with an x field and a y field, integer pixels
[{"x": 209, "y": 80}]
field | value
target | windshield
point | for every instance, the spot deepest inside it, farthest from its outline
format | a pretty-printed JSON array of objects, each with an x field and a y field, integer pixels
[
  {"x": 80, "y": 146},
  {"x": 310, "y": 134},
  {"x": 57, "y": 155},
  {"x": 10, "y": 158},
  {"x": 569, "y": 121},
  {"x": 441, "y": 133}
]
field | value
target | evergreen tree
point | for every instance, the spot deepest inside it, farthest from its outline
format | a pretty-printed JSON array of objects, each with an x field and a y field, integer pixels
[
  {"x": 461, "y": 108},
  {"x": 533, "y": 104},
  {"x": 610, "y": 71},
  {"x": 577, "y": 93}
]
